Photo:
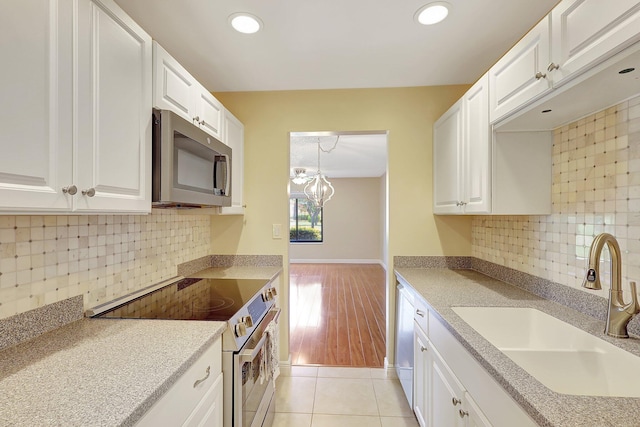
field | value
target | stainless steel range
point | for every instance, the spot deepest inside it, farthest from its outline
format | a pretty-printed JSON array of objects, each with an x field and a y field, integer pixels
[{"x": 248, "y": 307}]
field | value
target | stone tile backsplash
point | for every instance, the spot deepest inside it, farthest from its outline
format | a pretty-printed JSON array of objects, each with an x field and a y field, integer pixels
[
  {"x": 46, "y": 259},
  {"x": 596, "y": 188}
]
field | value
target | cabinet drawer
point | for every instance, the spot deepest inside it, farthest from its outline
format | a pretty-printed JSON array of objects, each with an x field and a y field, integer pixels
[
  {"x": 209, "y": 411},
  {"x": 421, "y": 314},
  {"x": 176, "y": 405},
  {"x": 496, "y": 404}
]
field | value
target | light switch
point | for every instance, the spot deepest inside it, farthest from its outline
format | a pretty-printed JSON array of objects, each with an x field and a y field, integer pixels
[{"x": 277, "y": 231}]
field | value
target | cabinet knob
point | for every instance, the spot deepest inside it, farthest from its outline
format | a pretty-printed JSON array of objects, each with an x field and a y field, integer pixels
[
  {"x": 423, "y": 348},
  {"x": 455, "y": 401},
  {"x": 203, "y": 122},
  {"x": 463, "y": 413},
  {"x": 539, "y": 76},
  {"x": 70, "y": 190},
  {"x": 553, "y": 66},
  {"x": 196, "y": 119},
  {"x": 90, "y": 192}
]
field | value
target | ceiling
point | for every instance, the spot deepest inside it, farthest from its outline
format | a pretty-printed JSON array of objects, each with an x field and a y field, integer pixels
[
  {"x": 354, "y": 156},
  {"x": 330, "y": 44}
]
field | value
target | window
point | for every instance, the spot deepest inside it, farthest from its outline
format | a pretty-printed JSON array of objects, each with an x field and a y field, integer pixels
[{"x": 305, "y": 220}]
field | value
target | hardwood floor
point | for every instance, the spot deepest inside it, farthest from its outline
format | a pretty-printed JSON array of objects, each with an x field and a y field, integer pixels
[{"x": 337, "y": 314}]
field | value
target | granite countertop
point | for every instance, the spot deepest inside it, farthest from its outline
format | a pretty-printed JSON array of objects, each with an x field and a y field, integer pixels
[
  {"x": 98, "y": 372},
  {"x": 444, "y": 288},
  {"x": 238, "y": 272}
]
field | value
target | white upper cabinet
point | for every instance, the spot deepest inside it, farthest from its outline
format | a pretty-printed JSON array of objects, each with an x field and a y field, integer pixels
[
  {"x": 586, "y": 32},
  {"x": 581, "y": 42},
  {"x": 113, "y": 116},
  {"x": 209, "y": 113},
  {"x": 234, "y": 138},
  {"x": 173, "y": 86},
  {"x": 76, "y": 110},
  {"x": 447, "y": 161},
  {"x": 521, "y": 74},
  {"x": 477, "y": 148},
  {"x": 461, "y": 155},
  {"x": 36, "y": 109},
  {"x": 176, "y": 90}
]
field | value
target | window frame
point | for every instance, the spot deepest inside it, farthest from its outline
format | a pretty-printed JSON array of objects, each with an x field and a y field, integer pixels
[{"x": 297, "y": 197}]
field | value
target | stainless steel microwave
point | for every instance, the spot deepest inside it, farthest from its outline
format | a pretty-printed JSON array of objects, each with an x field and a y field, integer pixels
[{"x": 190, "y": 167}]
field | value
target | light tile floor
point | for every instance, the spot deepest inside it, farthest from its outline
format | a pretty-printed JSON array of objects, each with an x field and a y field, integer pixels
[{"x": 309, "y": 396}]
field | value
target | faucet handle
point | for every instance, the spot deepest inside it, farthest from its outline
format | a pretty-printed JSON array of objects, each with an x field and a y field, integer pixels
[{"x": 633, "y": 307}]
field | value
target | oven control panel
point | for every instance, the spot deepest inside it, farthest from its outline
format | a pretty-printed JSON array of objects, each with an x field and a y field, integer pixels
[{"x": 243, "y": 323}]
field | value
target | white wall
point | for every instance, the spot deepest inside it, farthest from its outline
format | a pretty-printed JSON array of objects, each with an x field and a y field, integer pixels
[{"x": 352, "y": 222}]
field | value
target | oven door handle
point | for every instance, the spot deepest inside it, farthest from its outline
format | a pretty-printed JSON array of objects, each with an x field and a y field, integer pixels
[{"x": 249, "y": 354}]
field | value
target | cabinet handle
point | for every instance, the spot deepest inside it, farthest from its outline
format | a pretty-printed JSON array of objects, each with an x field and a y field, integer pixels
[
  {"x": 196, "y": 119},
  {"x": 70, "y": 190},
  {"x": 420, "y": 313},
  {"x": 89, "y": 192},
  {"x": 423, "y": 348},
  {"x": 463, "y": 413},
  {"x": 208, "y": 371},
  {"x": 202, "y": 123},
  {"x": 455, "y": 401},
  {"x": 461, "y": 203},
  {"x": 539, "y": 76},
  {"x": 553, "y": 66}
]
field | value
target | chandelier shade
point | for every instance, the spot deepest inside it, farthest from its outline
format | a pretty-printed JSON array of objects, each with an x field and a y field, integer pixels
[{"x": 319, "y": 190}]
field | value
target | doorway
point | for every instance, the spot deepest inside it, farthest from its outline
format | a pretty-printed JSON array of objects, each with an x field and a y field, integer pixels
[{"x": 338, "y": 248}]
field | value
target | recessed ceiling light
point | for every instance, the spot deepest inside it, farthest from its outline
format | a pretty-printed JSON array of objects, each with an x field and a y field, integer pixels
[
  {"x": 432, "y": 13},
  {"x": 245, "y": 23}
]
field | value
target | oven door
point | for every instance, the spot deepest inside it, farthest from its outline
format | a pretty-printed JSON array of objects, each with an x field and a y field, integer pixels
[{"x": 254, "y": 378}]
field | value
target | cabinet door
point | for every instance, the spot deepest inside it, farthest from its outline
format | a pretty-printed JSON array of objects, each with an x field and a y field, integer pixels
[
  {"x": 174, "y": 88},
  {"x": 209, "y": 113},
  {"x": 473, "y": 414},
  {"x": 209, "y": 410},
  {"x": 447, "y": 161},
  {"x": 113, "y": 126},
  {"x": 35, "y": 112},
  {"x": 234, "y": 138},
  {"x": 446, "y": 394},
  {"x": 585, "y": 32},
  {"x": 421, "y": 377},
  {"x": 517, "y": 78},
  {"x": 477, "y": 148}
]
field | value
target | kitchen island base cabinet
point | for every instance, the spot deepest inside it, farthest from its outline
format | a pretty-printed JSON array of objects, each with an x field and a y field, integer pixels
[{"x": 195, "y": 399}]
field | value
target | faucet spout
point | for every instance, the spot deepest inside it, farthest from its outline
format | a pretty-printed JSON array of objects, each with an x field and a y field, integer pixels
[{"x": 618, "y": 313}]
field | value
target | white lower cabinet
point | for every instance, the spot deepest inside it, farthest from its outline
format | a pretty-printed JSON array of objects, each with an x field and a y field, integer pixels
[
  {"x": 195, "y": 399},
  {"x": 451, "y": 389}
]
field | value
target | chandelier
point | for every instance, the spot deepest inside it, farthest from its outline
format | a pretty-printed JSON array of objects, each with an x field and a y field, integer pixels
[
  {"x": 300, "y": 176},
  {"x": 319, "y": 190}
]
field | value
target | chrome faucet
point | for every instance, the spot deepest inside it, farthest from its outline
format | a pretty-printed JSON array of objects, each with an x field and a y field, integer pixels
[{"x": 618, "y": 314}]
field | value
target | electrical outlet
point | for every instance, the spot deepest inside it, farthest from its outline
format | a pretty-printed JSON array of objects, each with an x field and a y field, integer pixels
[{"x": 277, "y": 231}]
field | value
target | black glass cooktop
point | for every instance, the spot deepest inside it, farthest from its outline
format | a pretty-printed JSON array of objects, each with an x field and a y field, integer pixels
[{"x": 191, "y": 299}]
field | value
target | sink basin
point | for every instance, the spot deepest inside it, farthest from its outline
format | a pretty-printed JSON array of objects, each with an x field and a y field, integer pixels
[{"x": 564, "y": 358}]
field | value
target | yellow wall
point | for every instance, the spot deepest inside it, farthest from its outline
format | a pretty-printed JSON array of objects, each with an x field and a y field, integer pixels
[{"x": 407, "y": 113}]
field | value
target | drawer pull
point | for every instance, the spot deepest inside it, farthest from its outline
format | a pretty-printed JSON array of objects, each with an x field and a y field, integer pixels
[
  {"x": 208, "y": 371},
  {"x": 463, "y": 413},
  {"x": 456, "y": 401},
  {"x": 420, "y": 313}
]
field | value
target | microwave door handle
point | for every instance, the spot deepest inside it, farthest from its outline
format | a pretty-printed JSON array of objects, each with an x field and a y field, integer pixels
[{"x": 227, "y": 183}]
